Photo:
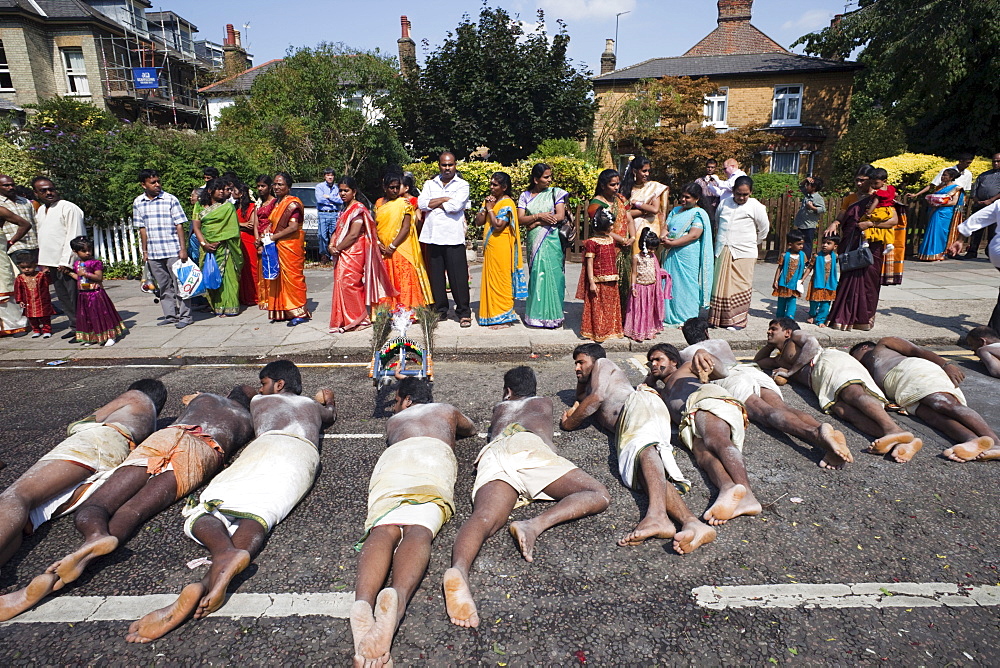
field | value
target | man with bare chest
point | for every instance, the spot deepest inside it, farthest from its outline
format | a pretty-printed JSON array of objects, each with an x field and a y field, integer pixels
[
  {"x": 518, "y": 466},
  {"x": 243, "y": 504},
  {"x": 986, "y": 343},
  {"x": 926, "y": 386},
  {"x": 165, "y": 467},
  {"x": 410, "y": 496},
  {"x": 641, "y": 425}
]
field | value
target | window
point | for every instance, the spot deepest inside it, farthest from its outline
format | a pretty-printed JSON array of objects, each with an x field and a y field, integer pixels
[
  {"x": 787, "y": 105},
  {"x": 785, "y": 163},
  {"x": 76, "y": 71},
  {"x": 716, "y": 107},
  {"x": 6, "y": 83}
]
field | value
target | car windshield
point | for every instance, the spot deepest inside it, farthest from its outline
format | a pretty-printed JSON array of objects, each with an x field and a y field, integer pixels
[{"x": 306, "y": 194}]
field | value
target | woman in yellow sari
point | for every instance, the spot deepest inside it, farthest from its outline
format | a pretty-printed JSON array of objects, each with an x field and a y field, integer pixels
[
  {"x": 286, "y": 294},
  {"x": 503, "y": 268},
  {"x": 397, "y": 240}
]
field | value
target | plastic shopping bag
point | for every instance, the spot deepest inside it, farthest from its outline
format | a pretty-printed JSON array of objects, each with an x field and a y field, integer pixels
[
  {"x": 269, "y": 259},
  {"x": 148, "y": 283},
  {"x": 211, "y": 275},
  {"x": 189, "y": 279}
]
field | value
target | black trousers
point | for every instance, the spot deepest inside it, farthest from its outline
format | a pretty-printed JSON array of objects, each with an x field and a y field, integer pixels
[
  {"x": 994, "y": 322},
  {"x": 809, "y": 236},
  {"x": 450, "y": 260},
  {"x": 977, "y": 238},
  {"x": 65, "y": 288}
]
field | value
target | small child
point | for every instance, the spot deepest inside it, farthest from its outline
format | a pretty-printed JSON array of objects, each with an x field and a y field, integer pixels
[
  {"x": 97, "y": 319},
  {"x": 823, "y": 281},
  {"x": 598, "y": 288},
  {"x": 788, "y": 277},
  {"x": 881, "y": 209},
  {"x": 31, "y": 291},
  {"x": 650, "y": 290}
]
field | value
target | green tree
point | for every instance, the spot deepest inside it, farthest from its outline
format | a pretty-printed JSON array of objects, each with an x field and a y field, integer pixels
[
  {"x": 493, "y": 84},
  {"x": 932, "y": 67},
  {"x": 325, "y": 107}
]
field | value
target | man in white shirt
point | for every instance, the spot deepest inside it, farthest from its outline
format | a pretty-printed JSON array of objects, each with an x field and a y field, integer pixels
[
  {"x": 986, "y": 216},
  {"x": 964, "y": 179},
  {"x": 743, "y": 225},
  {"x": 444, "y": 200},
  {"x": 724, "y": 189},
  {"x": 58, "y": 221}
]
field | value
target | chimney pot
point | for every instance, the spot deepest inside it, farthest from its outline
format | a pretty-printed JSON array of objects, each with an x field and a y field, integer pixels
[
  {"x": 230, "y": 39},
  {"x": 608, "y": 59}
]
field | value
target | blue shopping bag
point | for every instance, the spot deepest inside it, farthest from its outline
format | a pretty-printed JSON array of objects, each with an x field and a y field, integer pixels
[
  {"x": 211, "y": 275},
  {"x": 189, "y": 279},
  {"x": 269, "y": 260}
]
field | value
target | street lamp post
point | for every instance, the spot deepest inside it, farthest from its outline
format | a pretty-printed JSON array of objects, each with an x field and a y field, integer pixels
[{"x": 616, "y": 28}]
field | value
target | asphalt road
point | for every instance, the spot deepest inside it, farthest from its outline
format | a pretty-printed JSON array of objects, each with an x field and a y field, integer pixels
[{"x": 583, "y": 600}]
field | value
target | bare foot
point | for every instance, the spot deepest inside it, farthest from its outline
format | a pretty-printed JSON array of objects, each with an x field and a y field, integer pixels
[
  {"x": 160, "y": 622},
  {"x": 224, "y": 568},
  {"x": 375, "y": 646},
  {"x": 649, "y": 527},
  {"x": 458, "y": 599},
  {"x": 71, "y": 567},
  {"x": 966, "y": 452},
  {"x": 725, "y": 505},
  {"x": 904, "y": 452},
  {"x": 881, "y": 446},
  {"x": 992, "y": 453},
  {"x": 362, "y": 621},
  {"x": 18, "y": 601},
  {"x": 525, "y": 537},
  {"x": 835, "y": 443},
  {"x": 693, "y": 535}
]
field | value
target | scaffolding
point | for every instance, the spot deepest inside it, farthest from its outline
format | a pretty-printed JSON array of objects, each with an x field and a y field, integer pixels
[{"x": 176, "y": 101}]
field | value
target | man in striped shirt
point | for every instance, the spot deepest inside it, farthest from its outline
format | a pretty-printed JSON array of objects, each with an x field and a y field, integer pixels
[{"x": 160, "y": 221}]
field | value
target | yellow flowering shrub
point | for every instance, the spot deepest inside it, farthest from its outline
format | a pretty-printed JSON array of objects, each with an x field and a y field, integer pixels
[
  {"x": 17, "y": 163},
  {"x": 913, "y": 171}
]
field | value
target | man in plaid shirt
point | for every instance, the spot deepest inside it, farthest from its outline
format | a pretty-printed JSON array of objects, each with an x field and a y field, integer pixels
[{"x": 160, "y": 221}]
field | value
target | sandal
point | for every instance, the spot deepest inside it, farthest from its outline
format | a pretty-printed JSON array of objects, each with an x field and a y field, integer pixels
[{"x": 465, "y": 322}]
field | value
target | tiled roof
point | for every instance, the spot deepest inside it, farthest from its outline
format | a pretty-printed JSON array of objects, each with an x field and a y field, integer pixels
[
  {"x": 707, "y": 66},
  {"x": 239, "y": 83}
]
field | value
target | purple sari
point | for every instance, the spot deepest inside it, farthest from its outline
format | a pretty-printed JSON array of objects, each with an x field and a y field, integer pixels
[{"x": 857, "y": 293}]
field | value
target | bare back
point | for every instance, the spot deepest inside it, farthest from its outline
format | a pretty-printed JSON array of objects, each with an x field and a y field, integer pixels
[
  {"x": 612, "y": 386},
  {"x": 719, "y": 348},
  {"x": 228, "y": 423},
  {"x": 677, "y": 387},
  {"x": 441, "y": 421},
  {"x": 133, "y": 410},
  {"x": 291, "y": 414},
  {"x": 880, "y": 360},
  {"x": 532, "y": 413}
]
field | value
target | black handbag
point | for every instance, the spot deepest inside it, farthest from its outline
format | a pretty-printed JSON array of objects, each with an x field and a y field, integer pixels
[
  {"x": 861, "y": 258},
  {"x": 565, "y": 228}
]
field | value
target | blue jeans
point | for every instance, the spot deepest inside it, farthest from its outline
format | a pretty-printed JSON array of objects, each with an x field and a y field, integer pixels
[
  {"x": 325, "y": 227},
  {"x": 819, "y": 312},
  {"x": 786, "y": 307}
]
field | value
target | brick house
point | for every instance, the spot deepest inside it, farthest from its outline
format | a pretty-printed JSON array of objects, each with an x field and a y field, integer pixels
[
  {"x": 803, "y": 99},
  {"x": 87, "y": 49}
]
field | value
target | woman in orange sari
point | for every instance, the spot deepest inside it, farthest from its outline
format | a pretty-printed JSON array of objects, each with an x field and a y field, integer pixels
[
  {"x": 397, "y": 236},
  {"x": 286, "y": 294},
  {"x": 359, "y": 276},
  {"x": 607, "y": 197},
  {"x": 265, "y": 206}
]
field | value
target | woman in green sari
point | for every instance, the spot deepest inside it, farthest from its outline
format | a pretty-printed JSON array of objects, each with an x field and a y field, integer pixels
[
  {"x": 540, "y": 209},
  {"x": 218, "y": 233}
]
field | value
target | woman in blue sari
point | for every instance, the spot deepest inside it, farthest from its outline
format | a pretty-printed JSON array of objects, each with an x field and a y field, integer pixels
[
  {"x": 689, "y": 258},
  {"x": 540, "y": 209},
  {"x": 943, "y": 203}
]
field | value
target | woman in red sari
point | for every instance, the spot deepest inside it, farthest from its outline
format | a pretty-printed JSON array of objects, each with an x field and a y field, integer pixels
[
  {"x": 286, "y": 294},
  {"x": 359, "y": 276},
  {"x": 245, "y": 215},
  {"x": 265, "y": 205}
]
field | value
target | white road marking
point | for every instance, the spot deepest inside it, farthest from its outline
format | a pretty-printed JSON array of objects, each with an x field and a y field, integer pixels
[
  {"x": 301, "y": 365},
  {"x": 860, "y": 595},
  {"x": 76, "y": 609},
  {"x": 340, "y": 437}
]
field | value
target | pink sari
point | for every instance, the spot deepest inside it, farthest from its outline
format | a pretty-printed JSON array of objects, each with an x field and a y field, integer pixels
[{"x": 359, "y": 276}]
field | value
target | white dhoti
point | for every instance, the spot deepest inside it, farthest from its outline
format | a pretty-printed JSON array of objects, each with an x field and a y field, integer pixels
[
  {"x": 715, "y": 400},
  {"x": 68, "y": 500},
  {"x": 833, "y": 370},
  {"x": 745, "y": 381},
  {"x": 915, "y": 378},
  {"x": 272, "y": 474},
  {"x": 645, "y": 422},
  {"x": 93, "y": 445},
  {"x": 522, "y": 460}
]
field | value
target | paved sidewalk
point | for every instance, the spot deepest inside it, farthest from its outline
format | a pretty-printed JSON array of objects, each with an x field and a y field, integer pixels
[{"x": 936, "y": 304}]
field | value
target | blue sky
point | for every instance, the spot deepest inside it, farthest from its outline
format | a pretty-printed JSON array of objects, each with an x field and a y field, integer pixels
[{"x": 653, "y": 28}]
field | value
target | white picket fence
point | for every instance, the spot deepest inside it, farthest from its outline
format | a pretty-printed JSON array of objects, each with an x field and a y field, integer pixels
[{"x": 117, "y": 244}]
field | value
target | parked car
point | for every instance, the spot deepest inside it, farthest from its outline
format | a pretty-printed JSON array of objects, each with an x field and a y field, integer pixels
[{"x": 310, "y": 223}]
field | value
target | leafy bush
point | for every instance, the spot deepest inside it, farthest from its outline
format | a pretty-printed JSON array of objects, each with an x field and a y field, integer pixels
[
  {"x": 772, "y": 184},
  {"x": 123, "y": 269},
  {"x": 913, "y": 171},
  {"x": 17, "y": 163},
  {"x": 555, "y": 148}
]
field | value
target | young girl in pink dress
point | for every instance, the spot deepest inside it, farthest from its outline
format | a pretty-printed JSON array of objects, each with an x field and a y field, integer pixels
[
  {"x": 650, "y": 290},
  {"x": 97, "y": 319}
]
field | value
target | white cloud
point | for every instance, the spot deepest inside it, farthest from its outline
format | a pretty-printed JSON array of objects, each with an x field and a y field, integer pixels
[
  {"x": 583, "y": 10},
  {"x": 814, "y": 19}
]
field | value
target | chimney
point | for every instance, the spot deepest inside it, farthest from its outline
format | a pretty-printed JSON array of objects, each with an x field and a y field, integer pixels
[
  {"x": 407, "y": 49},
  {"x": 735, "y": 10},
  {"x": 234, "y": 57},
  {"x": 608, "y": 58}
]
